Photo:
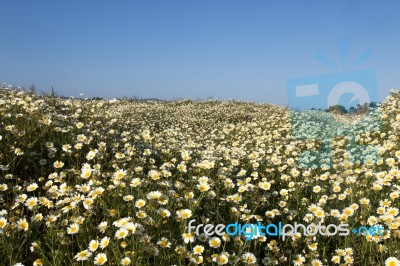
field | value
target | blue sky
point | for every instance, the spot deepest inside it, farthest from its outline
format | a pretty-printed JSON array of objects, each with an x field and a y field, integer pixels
[{"x": 192, "y": 49}]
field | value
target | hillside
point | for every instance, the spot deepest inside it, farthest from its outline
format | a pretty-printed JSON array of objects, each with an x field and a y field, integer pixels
[{"x": 85, "y": 180}]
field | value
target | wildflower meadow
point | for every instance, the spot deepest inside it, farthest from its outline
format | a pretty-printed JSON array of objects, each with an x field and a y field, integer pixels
[{"x": 100, "y": 182}]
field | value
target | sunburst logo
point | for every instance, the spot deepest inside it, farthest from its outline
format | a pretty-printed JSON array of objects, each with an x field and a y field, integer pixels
[
  {"x": 349, "y": 89},
  {"x": 359, "y": 94},
  {"x": 310, "y": 97}
]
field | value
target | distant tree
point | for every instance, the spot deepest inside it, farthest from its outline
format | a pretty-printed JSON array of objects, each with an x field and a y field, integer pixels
[
  {"x": 337, "y": 108},
  {"x": 32, "y": 89},
  {"x": 316, "y": 109},
  {"x": 362, "y": 109},
  {"x": 53, "y": 92},
  {"x": 373, "y": 104}
]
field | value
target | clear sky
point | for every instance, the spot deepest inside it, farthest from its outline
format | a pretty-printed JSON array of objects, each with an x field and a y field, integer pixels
[{"x": 192, "y": 49}]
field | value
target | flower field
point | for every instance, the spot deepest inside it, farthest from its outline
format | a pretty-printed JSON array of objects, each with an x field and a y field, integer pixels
[{"x": 96, "y": 182}]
